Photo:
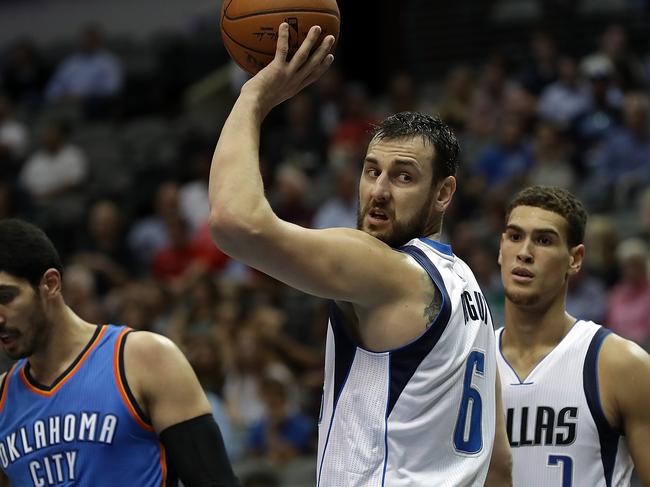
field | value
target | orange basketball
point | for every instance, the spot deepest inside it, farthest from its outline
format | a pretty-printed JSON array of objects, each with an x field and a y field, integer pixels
[{"x": 249, "y": 28}]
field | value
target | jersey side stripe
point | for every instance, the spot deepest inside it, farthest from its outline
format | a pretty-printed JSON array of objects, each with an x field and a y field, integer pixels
[
  {"x": 122, "y": 385},
  {"x": 345, "y": 353},
  {"x": 608, "y": 436},
  {"x": 405, "y": 360},
  {"x": 5, "y": 387}
]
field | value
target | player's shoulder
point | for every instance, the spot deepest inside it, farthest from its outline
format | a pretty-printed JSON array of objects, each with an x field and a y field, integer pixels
[
  {"x": 621, "y": 355},
  {"x": 148, "y": 347}
]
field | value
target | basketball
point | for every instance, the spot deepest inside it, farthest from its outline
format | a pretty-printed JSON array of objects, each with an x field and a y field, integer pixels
[{"x": 249, "y": 28}]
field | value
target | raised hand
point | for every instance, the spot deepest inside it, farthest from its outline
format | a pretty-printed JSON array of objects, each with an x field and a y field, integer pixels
[{"x": 283, "y": 78}]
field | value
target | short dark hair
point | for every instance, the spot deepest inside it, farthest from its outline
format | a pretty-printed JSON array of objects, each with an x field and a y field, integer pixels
[
  {"x": 557, "y": 200},
  {"x": 26, "y": 252},
  {"x": 432, "y": 130}
]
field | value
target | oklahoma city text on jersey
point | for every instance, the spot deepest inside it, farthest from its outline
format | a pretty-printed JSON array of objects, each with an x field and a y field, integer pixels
[{"x": 58, "y": 467}]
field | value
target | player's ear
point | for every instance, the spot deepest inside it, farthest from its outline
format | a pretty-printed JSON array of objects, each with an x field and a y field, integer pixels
[
  {"x": 576, "y": 256},
  {"x": 446, "y": 190},
  {"x": 51, "y": 282}
]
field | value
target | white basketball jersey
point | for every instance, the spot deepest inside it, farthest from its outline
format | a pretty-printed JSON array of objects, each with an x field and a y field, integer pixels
[
  {"x": 558, "y": 432},
  {"x": 419, "y": 415}
]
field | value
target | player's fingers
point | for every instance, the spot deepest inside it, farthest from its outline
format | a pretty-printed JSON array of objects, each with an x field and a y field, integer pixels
[
  {"x": 282, "y": 47},
  {"x": 302, "y": 54},
  {"x": 318, "y": 56},
  {"x": 318, "y": 72}
]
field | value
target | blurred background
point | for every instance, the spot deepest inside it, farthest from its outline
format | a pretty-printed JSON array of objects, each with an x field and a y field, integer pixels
[{"x": 110, "y": 111}]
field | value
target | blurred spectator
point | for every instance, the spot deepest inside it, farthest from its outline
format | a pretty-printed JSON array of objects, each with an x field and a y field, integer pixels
[
  {"x": 300, "y": 140},
  {"x": 613, "y": 47},
  {"x": 456, "y": 100},
  {"x": 628, "y": 303},
  {"x": 566, "y": 98},
  {"x": 92, "y": 74},
  {"x": 193, "y": 195},
  {"x": 552, "y": 166},
  {"x": 14, "y": 135},
  {"x": 340, "y": 209},
  {"x": 103, "y": 249},
  {"x": 281, "y": 434},
  {"x": 491, "y": 96},
  {"x": 542, "y": 69},
  {"x": 482, "y": 259},
  {"x": 357, "y": 118},
  {"x": 23, "y": 75},
  {"x": 289, "y": 195},
  {"x": 57, "y": 167},
  {"x": 252, "y": 361},
  {"x": 329, "y": 91},
  {"x": 624, "y": 161},
  {"x": 149, "y": 234},
  {"x": 602, "y": 115},
  {"x": 401, "y": 95},
  {"x": 507, "y": 160},
  {"x": 79, "y": 291},
  {"x": 601, "y": 238},
  {"x": 53, "y": 177},
  {"x": 586, "y": 297},
  {"x": 196, "y": 315},
  {"x": 179, "y": 263},
  {"x": 142, "y": 304}
]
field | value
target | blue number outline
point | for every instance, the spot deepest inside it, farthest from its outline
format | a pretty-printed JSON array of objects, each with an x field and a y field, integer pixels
[
  {"x": 474, "y": 444},
  {"x": 565, "y": 462}
]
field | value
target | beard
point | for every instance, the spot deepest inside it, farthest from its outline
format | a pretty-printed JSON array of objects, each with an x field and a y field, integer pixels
[
  {"x": 399, "y": 232},
  {"x": 29, "y": 341}
]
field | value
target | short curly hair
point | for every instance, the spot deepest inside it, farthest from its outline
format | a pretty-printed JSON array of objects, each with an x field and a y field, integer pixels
[
  {"x": 432, "y": 130},
  {"x": 558, "y": 200}
]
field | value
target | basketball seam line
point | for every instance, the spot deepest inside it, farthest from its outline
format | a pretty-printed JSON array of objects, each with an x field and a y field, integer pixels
[{"x": 276, "y": 11}]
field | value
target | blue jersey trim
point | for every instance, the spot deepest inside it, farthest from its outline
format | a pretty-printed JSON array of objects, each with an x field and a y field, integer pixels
[
  {"x": 405, "y": 360},
  {"x": 607, "y": 435},
  {"x": 345, "y": 351},
  {"x": 383, "y": 477},
  {"x": 440, "y": 247}
]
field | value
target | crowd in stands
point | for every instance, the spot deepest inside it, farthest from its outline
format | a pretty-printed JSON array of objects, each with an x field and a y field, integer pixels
[{"x": 115, "y": 169}]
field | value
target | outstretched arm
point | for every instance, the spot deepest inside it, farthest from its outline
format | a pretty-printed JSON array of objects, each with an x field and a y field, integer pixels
[{"x": 337, "y": 263}]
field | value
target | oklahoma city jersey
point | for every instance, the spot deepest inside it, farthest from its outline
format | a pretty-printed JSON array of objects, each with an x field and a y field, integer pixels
[
  {"x": 419, "y": 415},
  {"x": 84, "y": 430},
  {"x": 556, "y": 426}
]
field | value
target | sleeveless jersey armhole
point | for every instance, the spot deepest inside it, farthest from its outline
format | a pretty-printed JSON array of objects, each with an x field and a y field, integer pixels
[{"x": 122, "y": 383}]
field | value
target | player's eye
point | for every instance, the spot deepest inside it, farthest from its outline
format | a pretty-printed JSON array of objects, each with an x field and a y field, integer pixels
[
  {"x": 515, "y": 237},
  {"x": 544, "y": 240},
  {"x": 404, "y": 177},
  {"x": 372, "y": 172}
]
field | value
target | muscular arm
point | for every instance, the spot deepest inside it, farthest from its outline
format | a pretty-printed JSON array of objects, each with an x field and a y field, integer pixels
[
  {"x": 500, "y": 472},
  {"x": 168, "y": 391},
  {"x": 624, "y": 373},
  {"x": 342, "y": 264}
]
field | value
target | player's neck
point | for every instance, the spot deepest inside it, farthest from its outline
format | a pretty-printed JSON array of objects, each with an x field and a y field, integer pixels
[
  {"x": 67, "y": 337},
  {"x": 528, "y": 328}
]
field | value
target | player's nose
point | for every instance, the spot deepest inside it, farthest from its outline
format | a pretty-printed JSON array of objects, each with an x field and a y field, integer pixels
[
  {"x": 524, "y": 252},
  {"x": 381, "y": 189}
]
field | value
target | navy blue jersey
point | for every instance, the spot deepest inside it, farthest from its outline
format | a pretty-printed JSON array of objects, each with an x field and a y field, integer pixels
[{"x": 85, "y": 429}]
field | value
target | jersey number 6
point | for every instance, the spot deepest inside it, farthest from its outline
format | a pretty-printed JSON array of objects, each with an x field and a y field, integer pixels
[{"x": 468, "y": 436}]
